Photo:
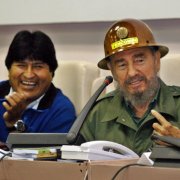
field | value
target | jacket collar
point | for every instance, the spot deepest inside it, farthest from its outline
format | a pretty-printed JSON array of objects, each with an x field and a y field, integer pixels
[
  {"x": 116, "y": 107},
  {"x": 48, "y": 98},
  {"x": 166, "y": 102},
  {"x": 4, "y": 89}
]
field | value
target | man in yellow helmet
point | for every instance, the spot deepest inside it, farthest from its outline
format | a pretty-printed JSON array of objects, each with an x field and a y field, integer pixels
[{"x": 124, "y": 115}]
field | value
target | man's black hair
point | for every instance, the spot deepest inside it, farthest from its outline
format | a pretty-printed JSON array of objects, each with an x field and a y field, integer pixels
[{"x": 32, "y": 45}]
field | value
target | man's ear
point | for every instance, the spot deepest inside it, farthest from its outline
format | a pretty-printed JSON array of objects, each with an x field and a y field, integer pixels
[{"x": 109, "y": 66}]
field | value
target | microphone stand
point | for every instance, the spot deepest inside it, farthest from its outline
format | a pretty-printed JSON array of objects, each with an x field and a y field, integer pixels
[{"x": 73, "y": 132}]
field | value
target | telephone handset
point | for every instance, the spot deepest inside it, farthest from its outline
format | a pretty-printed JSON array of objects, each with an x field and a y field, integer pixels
[{"x": 97, "y": 150}]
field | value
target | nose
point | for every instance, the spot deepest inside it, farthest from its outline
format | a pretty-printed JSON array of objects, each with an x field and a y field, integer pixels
[
  {"x": 29, "y": 73},
  {"x": 132, "y": 71}
]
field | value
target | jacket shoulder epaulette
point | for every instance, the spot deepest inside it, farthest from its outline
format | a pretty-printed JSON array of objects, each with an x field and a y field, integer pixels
[
  {"x": 106, "y": 96},
  {"x": 175, "y": 90}
]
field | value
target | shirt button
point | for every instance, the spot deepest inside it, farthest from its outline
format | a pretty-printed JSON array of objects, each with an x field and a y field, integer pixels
[{"x": 123, "y": 120}]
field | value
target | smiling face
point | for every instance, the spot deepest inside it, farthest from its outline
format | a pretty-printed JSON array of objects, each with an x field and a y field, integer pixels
[
  {"x": 31, "y": 78},
  {"x": 136, "y": 70}
]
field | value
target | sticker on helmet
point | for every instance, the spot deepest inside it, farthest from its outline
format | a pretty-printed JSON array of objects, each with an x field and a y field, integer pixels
[
  {"x": 124, "y": 42},
  {"x": 122, "y": 32}
]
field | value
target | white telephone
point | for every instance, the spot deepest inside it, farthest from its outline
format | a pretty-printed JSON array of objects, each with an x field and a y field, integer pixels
[{"x": 97, "y": 150}]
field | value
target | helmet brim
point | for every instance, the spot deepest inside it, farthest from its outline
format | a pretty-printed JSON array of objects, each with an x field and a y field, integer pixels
[{"x": 103, "y": 63}]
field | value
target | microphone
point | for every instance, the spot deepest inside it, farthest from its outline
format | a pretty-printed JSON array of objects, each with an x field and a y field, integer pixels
[{"x": 73, "y": 132}]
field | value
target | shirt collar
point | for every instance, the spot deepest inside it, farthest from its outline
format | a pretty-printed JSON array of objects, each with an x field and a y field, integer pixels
[{"x": 151, "y": 106}]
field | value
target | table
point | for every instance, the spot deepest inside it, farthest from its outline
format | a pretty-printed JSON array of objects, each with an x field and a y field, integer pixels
[
  {"x": 95, "y": 170},
  {"x": 43, "y": 170},
  {"x": 106, "y": 170}
]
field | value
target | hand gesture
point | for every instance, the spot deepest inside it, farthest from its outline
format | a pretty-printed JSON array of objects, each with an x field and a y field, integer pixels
[
  {"x": 15, "y": 104},
  {"x": 164, "y": 127}
]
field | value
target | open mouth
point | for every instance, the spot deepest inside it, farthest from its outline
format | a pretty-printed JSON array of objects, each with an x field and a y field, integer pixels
[
  {"x": 28, "y": 84},
  {"x": 135, "y": 82}
]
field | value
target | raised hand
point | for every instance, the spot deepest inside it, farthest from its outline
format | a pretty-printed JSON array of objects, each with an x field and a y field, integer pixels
[
  {"x": 164, "y": 127},
  {"x": 15, "y": 105}
]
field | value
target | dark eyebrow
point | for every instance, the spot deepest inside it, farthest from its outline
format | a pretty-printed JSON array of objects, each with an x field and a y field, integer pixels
[
  {"x": 140, "y": 54},
  {"x": 19, "y": 62},
  {"x": 118, "y": 60},
  {"x": 39, "y": 62}
]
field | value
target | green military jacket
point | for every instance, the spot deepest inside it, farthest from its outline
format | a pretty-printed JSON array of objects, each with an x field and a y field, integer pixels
[{"x": 109, "y": 119}]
